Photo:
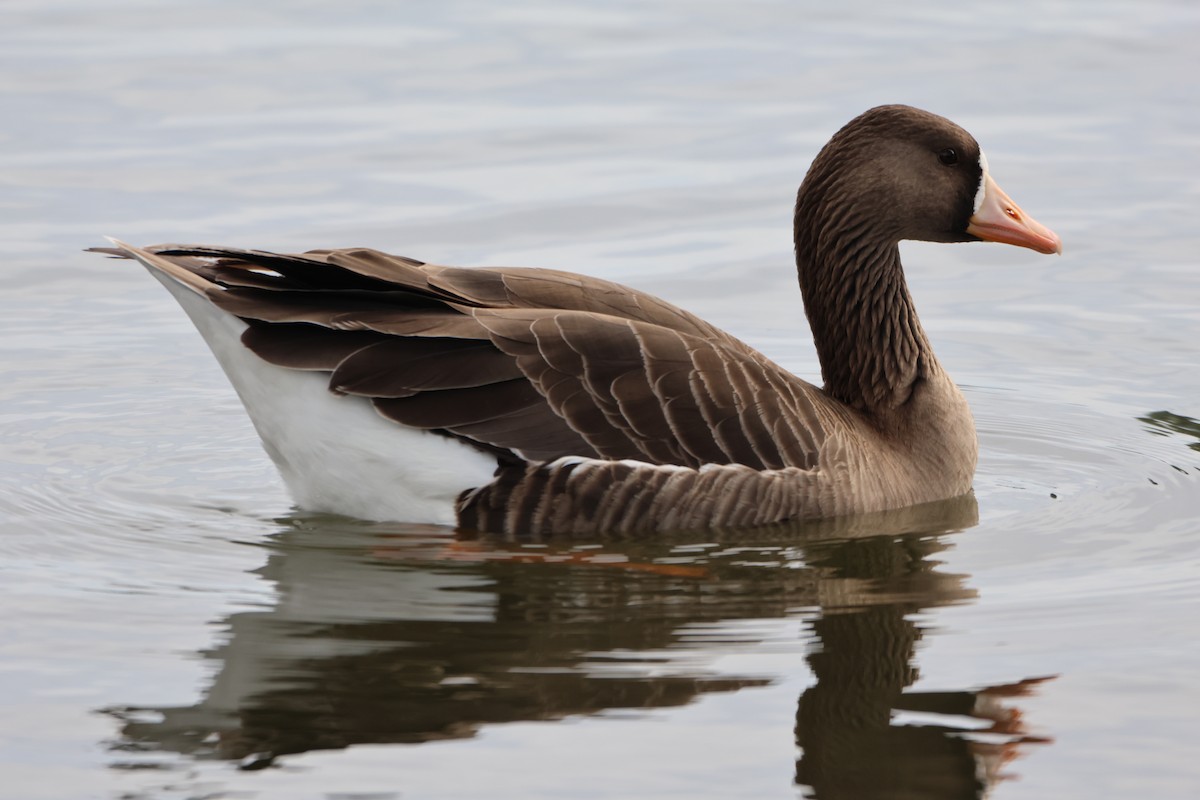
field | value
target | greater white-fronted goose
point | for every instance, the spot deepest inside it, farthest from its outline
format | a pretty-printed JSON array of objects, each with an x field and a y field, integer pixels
[{"x": 530, "y": 400}]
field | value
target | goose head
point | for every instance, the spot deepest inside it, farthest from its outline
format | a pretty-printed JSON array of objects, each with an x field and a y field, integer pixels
[{"x": 897, "y": 172}]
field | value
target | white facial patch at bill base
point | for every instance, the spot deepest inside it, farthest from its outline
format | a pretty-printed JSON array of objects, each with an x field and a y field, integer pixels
[{"x": 983, "y": 174}]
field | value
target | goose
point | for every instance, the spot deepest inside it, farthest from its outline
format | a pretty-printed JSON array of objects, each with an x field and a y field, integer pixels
[{"x": 534, "y": 401}]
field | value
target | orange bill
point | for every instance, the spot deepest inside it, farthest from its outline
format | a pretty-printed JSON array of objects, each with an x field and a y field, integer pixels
[{"x": 999, "y": 219}]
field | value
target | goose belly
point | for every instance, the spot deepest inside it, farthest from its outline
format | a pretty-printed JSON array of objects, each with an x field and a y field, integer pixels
[{"x": 335, "y": 453}]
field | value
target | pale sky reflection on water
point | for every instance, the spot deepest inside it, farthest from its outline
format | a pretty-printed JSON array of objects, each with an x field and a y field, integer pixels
[{"x": 165, "y": 616}]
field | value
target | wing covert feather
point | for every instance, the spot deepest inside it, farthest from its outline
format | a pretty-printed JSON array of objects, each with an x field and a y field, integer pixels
[{"x": 540, "y": 362}]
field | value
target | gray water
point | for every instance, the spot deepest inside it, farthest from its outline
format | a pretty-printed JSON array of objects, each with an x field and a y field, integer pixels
[{"x": 171, "y": 628}]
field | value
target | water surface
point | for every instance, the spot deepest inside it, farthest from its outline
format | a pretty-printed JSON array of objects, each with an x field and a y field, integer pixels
[{"x": 172, "y": 628}]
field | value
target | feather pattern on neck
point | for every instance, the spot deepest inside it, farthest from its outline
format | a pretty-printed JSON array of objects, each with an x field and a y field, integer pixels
[{"x": 870, "y": 343}]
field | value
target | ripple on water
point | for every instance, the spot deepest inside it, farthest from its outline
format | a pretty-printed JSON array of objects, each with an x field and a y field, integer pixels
[
  {"x": 58, "y": 538},
  {"x": 1032, "y": 444},
  {"x": 109, "y": 494},
  {"x": 1078, "y": 501}
]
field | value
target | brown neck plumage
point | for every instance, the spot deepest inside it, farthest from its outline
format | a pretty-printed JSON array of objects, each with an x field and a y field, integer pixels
[{"x": 872, "y": 348}]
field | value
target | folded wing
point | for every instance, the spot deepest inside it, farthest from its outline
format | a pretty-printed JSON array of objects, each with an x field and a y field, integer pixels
[{"x": 531, "y": 363}]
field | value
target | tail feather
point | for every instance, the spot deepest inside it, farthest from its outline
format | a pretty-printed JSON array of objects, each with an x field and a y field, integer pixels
[{"x": 157, "y": 263}]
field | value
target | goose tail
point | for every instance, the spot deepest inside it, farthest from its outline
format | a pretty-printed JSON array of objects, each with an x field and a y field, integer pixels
[{"x": 336, "y": 453}]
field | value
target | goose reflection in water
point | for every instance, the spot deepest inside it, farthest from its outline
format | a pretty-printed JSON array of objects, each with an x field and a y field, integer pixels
[
  {"x": 855, "y": 744},
  {"x": 379, "y": 636}
]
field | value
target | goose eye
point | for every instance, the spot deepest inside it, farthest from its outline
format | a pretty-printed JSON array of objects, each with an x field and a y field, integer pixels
[{"x": 949, "y": 157}]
